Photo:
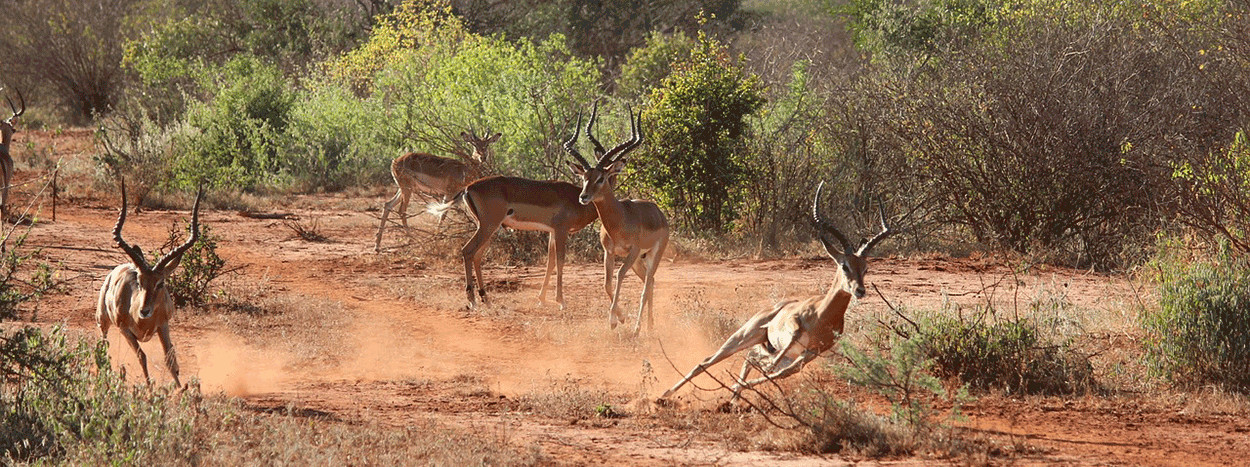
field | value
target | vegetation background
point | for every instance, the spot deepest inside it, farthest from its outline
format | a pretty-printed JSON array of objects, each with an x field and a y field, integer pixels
[{"x": 1087, "y": 133}]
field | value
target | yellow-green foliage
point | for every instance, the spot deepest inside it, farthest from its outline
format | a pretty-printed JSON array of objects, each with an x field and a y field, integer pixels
[
  {"x": 396, "y": 35},
  {"x": 696, "y": 124},
  {"x": 1200, "y": 332}
]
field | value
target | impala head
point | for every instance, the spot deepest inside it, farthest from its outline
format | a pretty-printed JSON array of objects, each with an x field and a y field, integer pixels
[
  {"x": 7, "y": 127},
  {"x": 152, "y": 290},
  {"x": 852, "y": 263},
  {"x": 599, "y": 179},
  {"x": 481, "y": 146}
]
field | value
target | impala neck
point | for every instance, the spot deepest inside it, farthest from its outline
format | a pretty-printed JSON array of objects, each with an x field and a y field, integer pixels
[
  {"x": 611, "y": 212},
  {"x": 832, "y": 308},
  {"x": 6, "y": 137}
]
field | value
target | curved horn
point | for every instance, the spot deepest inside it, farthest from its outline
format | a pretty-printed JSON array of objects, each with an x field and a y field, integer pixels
[
  {"x": 570, "y": 145},
  {"x": 885, "y": 232},
  {"x": 824, "y": 227},
  {"x": 134, "y": 252},
  {"x": 594, "y": 114},
  {"x": 195, "y": 235},
  {"x": 635, "y": 139}
]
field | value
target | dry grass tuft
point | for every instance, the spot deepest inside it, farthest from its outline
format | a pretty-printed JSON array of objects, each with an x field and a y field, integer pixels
[{"x": 569, "y": 398}]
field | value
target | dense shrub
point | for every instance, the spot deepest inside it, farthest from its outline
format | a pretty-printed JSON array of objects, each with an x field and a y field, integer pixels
[
  {"x": 1215, "y": 192},
  {"x": 67, "y": 401},
  {"x": 1200, "y": 333},
  {"x": 526, "y": 90},
  {"x": 138, "y": 148},
  {"x": 240, "y": 132},
  {"x": 1070, "y": 167},
  {"x": 22, "y": 278},
  {"x": 646, "y": 67},
  {"x": 604, "y": 30},
  {"x": 430, "y": 79},
  {"x": 696, "y": 125},
  {"x": 988, "y": 349},
  {"x": 794, "y": 147},
  {"x": 335, "y": 140}
]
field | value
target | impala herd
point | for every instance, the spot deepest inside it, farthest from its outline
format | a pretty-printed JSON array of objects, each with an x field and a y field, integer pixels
[{"x": 135, "y": 299}]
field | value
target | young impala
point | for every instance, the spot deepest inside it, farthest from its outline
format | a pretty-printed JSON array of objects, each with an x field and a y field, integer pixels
[
  {"x": 632, "y": 229},
  {"x": 430, "y": 174},
  {"x": 794, "y": 332}
]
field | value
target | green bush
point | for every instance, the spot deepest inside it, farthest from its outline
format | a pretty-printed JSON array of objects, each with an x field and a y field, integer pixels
[
  {"x": 526, "y": 90},
  {"x": 336, "y": 141},
  {"x": 1200, "y": 333},
  {"x": 901, "y": 375},
  {"x": 239, "y": 134},
  {"x": 65, "y": 400},
  {"x": 20, "y": 281},
  {"x": 695, "y": 159},
  {"x": 991, "y": 350},
  {"x": 199, "y": 267},
  {"x": 646, "y": 67}
]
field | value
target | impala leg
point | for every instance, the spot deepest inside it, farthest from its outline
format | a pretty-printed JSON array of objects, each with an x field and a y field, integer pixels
[
  {"x": 102, "y": 320},
  {"x": 402, "y": 212},
  {"x": 4, "y": 193},
  {"x": 648, "y": 290},
  {"x": 386, "y": 209},
  {"x": 752, "y": 333},
  {"x": 551, "y": 267},
  {"x": 171, "y": 357},
  {"x": 789, "y": 369},
  {"x": 562, "y": 243},
  {"x": 134, "y": 345},
  {"x": 473, "y": 252},
  {"x": 620, "y": 278},
  {"x": 607, "y": 270}
]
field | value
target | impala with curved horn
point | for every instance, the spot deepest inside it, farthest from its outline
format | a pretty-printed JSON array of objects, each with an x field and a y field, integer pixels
[
  {"x": 633, "y": 229},
  {"x": 135, "y": 297},
  {"x": 7, "y": 129},
  {"x": 794, "y": 332},
  {"x": 426, "y": 173}
]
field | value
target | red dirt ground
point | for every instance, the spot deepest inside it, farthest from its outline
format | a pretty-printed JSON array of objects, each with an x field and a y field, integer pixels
[{"x": 397, "y": 344}]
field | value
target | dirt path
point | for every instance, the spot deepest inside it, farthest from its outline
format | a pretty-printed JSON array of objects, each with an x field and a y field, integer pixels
[{"x": 386, "y": 338}]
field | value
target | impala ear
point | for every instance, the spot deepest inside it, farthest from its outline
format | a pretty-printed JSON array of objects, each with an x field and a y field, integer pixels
[
  {"x": 172, "y": 266},
  {"x": 494, "y": 138},
  {"x": 577, "y": 169},
  {"x": 831, "y": 247},
  {"x": 615, "y": 168}
]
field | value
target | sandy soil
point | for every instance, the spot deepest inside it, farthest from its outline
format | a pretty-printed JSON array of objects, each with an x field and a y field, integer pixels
[{"x": 363, "y": 336}]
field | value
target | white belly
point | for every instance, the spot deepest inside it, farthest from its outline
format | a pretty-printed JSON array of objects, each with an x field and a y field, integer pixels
[{"x": 514, "y": 224}]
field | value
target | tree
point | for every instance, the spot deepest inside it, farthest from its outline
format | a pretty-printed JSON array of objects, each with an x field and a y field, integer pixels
[
  {"x": 697, "y": 129},
  {"x": 65, "y": 49}
]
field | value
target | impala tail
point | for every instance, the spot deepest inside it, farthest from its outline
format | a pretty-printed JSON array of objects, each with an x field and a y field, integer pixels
[{"x": 440, "y": 209}]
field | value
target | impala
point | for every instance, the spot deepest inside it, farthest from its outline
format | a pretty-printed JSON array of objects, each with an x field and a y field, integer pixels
[
  {"x": 520, "y": 204},
  {"x": 631, "y": 229},
  {"x": 135, "y": 296},
  {"x": 427, "y": 173},
  {"x": 6, "y": 158},
  {"x": 794, "y": 332}
]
